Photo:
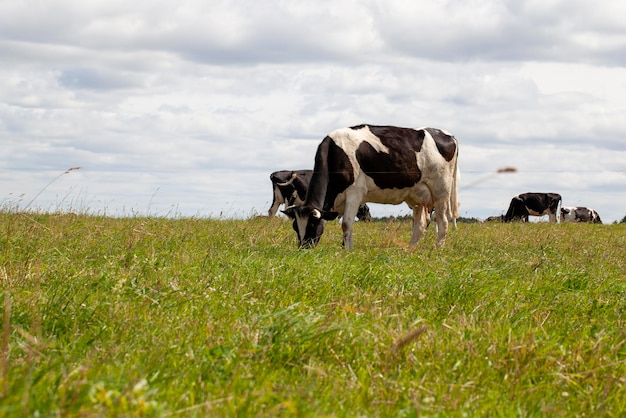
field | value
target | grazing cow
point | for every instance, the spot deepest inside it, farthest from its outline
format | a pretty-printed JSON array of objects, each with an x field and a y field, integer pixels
[
  {"x": 363, "y": 214},
  {"x": 290, "y": 187},
  {"x": 579, "y": 214},
  {"x": 381, "y": 164},
  {"x": 535, "y": 204}
]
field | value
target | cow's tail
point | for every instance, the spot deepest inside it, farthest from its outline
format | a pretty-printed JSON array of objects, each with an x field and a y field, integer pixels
[
  {"x": 558, "y": 210},
  {"x": 454, "y": 192}
]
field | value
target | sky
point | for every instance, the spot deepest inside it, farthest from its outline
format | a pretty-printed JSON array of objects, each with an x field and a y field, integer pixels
[{"x": 183, "y": 109}]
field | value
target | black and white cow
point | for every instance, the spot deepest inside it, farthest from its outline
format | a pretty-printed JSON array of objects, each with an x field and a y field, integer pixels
[
  {"x": 534, "y": 204},
  {"x": 290, "y": 187},
  {"x": 381, "y": 164},
  {"x": 363, "y": 214},
  {"x": 579, "y": 214}
]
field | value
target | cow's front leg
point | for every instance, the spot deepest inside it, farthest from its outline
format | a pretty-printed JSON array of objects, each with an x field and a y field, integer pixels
[
  {"x": 346, "y": 225},
  {"x": 347, "y": 221},
  {"x": 420, "y": 219}
]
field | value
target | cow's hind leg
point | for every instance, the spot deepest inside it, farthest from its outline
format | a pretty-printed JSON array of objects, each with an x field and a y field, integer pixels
[
  {"x": 278, "y": 200},
  {"x": 420, "y": 220}
]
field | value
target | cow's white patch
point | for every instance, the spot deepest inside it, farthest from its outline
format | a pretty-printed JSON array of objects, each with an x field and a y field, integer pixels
[
  {"x": 535, "y": 213},
  {"x": 443, "y": 131},
  {"x": 350, "y": 139},
  {"x": 568, "y": 214}
]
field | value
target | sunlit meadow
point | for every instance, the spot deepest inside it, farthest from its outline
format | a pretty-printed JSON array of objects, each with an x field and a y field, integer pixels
[{"x": 142, "y": 316}]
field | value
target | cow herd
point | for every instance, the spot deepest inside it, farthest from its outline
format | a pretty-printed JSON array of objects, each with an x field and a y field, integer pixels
[
  {"x": 538, "y": 204},
  {"x": 389, "y": 164}
]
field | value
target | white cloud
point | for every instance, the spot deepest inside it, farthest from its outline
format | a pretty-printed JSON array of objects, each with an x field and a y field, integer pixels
[{"x": 191, "y": 105}]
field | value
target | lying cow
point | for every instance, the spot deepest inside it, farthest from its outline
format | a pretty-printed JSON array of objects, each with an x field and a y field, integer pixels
[
  {"x": 534, "y": 204},
  {"x": 579, "y": 214},
  {"x": 290, "y": 187},
  {"x": 382, "y": 164}
]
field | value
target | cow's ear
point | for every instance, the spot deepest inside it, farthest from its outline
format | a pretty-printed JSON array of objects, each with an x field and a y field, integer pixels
[
  {"x": 290, "y": 211},
  {"x": 329, "y": 216}
]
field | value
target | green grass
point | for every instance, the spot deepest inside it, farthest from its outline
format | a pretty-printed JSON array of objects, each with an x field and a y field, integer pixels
[{"x": 202, "y": 317}]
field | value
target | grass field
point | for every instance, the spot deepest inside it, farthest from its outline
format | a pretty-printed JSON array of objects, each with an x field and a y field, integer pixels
[{"x": 202, "y": 317}]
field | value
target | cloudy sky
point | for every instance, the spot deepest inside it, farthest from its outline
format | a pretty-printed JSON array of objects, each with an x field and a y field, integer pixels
[{"x": 184, "y": 108}]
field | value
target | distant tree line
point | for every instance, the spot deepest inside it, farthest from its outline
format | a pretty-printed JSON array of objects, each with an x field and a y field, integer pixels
[
  {"x": 401, "y": 218},
  {"x": 461, "y": 219}
]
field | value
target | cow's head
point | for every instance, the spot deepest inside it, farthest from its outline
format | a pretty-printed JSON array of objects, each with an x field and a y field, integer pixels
[
  {"x": 363, "y": 214},
  {"x": 308, "y": 222},
  {"x": 517, "y": 210}
]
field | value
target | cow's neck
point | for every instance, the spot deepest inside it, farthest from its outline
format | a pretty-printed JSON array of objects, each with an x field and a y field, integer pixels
[{"x": 319, "y": 181}]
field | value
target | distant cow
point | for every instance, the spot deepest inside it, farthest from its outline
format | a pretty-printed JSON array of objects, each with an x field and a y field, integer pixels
[
  {"x": 534, "y": 204},
  {"x": 382, "y": 164},
  {"x": 290, "y": 187},
  {"x": 579, "y": 214},
  {"x": 363, "y": 214}
]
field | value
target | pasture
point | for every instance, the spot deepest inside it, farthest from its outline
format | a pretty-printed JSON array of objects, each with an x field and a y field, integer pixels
[{"x": 203, "y": 317}]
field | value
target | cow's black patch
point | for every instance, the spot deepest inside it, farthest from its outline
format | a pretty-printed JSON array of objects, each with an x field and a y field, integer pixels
[
  {"x": 398, "y": 168},
  {"x": 582, "y": 214},
  {"x": 445, "y": 143},
  {"x": 326, "y": 184},
  {"x": 539, "y": 202}
]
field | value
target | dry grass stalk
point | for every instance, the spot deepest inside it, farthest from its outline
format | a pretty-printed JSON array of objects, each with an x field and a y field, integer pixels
[{"x": 410, "y": 336}]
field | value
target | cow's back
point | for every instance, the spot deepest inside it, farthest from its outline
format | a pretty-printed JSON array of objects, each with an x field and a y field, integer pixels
[{"x": 394, "y": 157}]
